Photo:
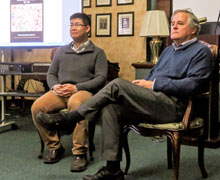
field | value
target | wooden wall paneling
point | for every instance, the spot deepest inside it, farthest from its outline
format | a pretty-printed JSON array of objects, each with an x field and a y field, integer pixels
[{"x": 165, "y": 5}]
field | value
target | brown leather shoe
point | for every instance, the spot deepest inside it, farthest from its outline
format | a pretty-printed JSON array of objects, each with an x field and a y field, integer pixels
[
  {"x": 79, "y": 163},
  {"x": 51, "y": 121},
  {"x": 59, "y": 120},
  {"x": 54, "y": 156}
]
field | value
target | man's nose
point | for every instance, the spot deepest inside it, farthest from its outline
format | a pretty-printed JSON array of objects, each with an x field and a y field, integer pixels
[{"x": 175, "y": 25}]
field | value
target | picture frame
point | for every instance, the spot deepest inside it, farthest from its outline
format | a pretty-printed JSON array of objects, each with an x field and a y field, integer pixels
[
  {"x": 101, "y": 3},
  {"x": 125, "y": 2},
  {"x": 125, "y": 24},
  {"x": 90, "y": 33},
  {"x": 103, "y": 25},
  {"x": 87, "y": 3}
]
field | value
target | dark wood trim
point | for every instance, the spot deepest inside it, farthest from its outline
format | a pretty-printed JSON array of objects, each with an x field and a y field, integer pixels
[
  {"x": 166, "y": 5},
  {"x": 143, "y": 65},
  {"x": 212, "y": 143}
]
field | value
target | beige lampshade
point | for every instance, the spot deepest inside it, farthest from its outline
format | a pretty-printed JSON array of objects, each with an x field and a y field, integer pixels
[{"x": 155, "y": 24}]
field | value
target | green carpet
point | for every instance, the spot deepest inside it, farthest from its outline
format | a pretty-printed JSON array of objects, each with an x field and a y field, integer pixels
[{"x": 19, "y": 150}]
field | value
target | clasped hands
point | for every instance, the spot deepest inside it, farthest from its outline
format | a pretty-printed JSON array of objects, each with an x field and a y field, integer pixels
[{"x": 64, "y": 90}]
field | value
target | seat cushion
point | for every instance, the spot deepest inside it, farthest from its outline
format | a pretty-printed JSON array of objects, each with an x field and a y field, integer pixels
[{"x": 177, "y": 126}]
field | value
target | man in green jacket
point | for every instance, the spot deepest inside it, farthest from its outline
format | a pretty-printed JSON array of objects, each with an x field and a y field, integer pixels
[{"x": 78, "y": 70}]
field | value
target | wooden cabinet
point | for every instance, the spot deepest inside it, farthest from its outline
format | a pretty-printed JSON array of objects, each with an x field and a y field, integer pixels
[{"x": 142, "y": 69}]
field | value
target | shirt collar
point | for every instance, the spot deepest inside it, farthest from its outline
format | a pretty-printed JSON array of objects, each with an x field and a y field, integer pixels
[
  {"x": 184, "y": 44},
  {"x": 81, "y": 48}
]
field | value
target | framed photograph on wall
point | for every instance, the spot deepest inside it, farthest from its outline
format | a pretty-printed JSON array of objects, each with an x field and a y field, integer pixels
[
  {"x": 100, "y": 3},
  {"x": 125, "y": 2},
  {"x": 90, "y": 33},
  {"x": 103, "y": 25},
  {"x": 86, "y": 3},
  {"x": 125, "y": 24}
]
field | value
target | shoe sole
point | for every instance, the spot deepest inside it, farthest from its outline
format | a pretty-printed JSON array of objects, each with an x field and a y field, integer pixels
[
  {"x": 121, "y": 178},
  {"x": 52, "y": 162},
  {"x": 78, "y": 170}
]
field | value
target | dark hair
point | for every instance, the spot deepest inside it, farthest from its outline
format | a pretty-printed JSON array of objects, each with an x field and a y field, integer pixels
[{"x": 85, "y": 18}]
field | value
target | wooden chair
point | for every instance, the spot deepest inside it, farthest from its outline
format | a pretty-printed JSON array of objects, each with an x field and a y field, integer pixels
[{"x": 192, "y": 125}]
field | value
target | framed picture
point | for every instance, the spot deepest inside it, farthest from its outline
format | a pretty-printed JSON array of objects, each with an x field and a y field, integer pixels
[
  {"x": 103, "y": 25},
  {"x": 86, "y": 3},
  {"x": 90, "y": 33},
  {"x": 103, "y": 3},
  {"x": 125, "y": 2},
  {"x": 125, "y": 24}
]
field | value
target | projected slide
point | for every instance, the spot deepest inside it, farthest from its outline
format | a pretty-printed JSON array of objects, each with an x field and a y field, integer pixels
[
  {"x": 36, "y": 23},
  {"x": 26, "y": 21}
]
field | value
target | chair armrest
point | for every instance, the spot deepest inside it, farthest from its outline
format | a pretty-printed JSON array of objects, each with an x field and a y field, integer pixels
[
  {"x": 188, "y": 114},
  {"x": 202, "y": 95}
]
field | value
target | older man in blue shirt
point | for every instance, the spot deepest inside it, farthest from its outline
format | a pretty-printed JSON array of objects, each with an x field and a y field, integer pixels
[{"x": 183, "y": 70}]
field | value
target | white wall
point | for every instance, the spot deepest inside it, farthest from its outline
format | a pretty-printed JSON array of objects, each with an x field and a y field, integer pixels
[{"x": 201, "y": 8}]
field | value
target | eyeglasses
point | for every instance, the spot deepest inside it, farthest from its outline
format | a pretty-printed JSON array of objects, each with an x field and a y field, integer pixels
[{"x": 77, "y": 25}]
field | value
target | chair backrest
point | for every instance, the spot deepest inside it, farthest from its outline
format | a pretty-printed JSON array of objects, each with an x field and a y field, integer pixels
[
  {"x": 213, "y": 96},
  {"x": 113, "y": 70},
  {"x": 53, "y": 51},
  {"x": 208, "y": 106},
  {"x": 207, "y": 103}
]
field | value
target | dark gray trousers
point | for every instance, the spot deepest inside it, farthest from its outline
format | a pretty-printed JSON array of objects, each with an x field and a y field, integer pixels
[{"x": 121, "y": 102}]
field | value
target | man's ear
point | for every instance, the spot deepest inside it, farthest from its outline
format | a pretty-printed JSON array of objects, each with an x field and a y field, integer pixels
[
  {"x": 88, "y": 28},
  {"x": 194, "y": 31}
]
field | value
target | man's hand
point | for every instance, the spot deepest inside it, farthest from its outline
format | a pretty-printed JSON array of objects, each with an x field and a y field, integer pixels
[
  {"x": 143, "y": 83},
  {"x": 64, "y": 90}
]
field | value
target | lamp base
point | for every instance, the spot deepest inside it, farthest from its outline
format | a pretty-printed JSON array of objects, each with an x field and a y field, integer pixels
[{"x": 155, "y": 45}]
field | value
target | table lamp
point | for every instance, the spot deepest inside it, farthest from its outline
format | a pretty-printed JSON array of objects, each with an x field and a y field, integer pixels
[{"x": 155, "y": 25}]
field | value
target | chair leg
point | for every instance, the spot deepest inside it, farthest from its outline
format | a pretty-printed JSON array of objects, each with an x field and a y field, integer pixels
[
  {"x": 201, "y": 156},
  {"x": 40, "y": 156},
  {"x": 126, "y": 149},
  {"x": 169, "y": 154},
  {"x": 91, "y": 137},
  {"x": 175, "y": 138}
]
